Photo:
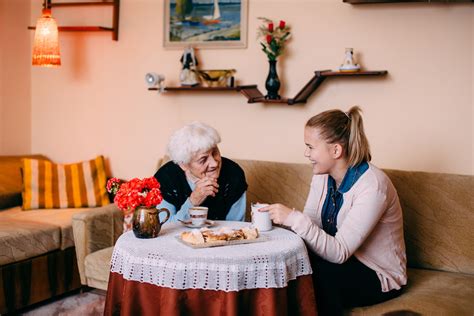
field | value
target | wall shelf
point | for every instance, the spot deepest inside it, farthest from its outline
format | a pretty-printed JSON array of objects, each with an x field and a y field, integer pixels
[
  {"x": 208, "y": 89},
  {"x": 115, "y": 4},
  {"x": 255, "y": 96},
  {"x": 405, "y": 1},
  {"x": 80, "y": 28},
  {"x": 89, "y": 3},
  {"x": 198, "y": 88}
]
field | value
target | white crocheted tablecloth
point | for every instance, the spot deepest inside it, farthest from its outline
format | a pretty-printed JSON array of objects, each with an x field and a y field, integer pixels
[{"x": 166, "y": 262}]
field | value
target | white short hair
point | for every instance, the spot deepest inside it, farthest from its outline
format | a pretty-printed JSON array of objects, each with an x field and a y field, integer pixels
[{"x": 190, "y": 139}]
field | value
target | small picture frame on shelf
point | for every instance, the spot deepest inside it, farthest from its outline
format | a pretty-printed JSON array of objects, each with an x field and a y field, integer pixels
[{"x": 205, "y": 24}]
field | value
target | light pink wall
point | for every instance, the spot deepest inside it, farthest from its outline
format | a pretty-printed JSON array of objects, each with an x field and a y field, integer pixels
[
  {"x": 418, "y": 118},
  {"x": 2, "y": 36},
  {"x": 15, "y": 80},
  {"x": 472, "y": 93}
]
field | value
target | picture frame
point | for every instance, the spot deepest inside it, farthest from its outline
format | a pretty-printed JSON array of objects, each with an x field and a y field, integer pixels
[{"x": 205, "y": 23}]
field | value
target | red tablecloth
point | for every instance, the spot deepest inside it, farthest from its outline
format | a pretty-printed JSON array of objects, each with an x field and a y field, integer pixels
[{"x": 134, "y": 298}]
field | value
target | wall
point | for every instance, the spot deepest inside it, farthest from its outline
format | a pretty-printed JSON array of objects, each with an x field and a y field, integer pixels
[
  {"x": 472, "y": 95},
  {"x": 2, "y": 35},
  {"x": 417, "y": 118},
  {"x": 15, "y": 80}
]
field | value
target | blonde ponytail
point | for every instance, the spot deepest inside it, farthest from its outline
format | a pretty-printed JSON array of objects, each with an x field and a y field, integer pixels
[
  {"x": 358, "y": 149},
  {"x": 345, "y": 128}
]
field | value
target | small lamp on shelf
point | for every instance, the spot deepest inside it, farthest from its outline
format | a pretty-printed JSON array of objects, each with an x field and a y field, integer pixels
[
  {"x": 155, "y": 80},
  {"x": 46, "y": 41}
]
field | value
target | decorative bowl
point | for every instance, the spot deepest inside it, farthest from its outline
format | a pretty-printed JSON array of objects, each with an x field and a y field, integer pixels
[{"x": 215, "y": 77}]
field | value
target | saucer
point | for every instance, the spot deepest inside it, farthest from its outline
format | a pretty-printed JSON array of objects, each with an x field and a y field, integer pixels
[{"x": 207, "y": 223}]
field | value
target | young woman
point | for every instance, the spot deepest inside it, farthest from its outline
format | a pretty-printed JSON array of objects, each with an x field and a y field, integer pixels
[{"x": 352, "y": 221}]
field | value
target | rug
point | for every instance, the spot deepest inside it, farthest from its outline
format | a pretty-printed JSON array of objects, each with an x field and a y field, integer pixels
[{"x": 82, "y": 304}]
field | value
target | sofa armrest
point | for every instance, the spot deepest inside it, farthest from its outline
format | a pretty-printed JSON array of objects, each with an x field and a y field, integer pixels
[{"x": 95, "y": 229}]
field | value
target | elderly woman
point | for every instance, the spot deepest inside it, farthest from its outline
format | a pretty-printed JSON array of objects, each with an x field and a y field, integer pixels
[{"x": 199, "y": 176}]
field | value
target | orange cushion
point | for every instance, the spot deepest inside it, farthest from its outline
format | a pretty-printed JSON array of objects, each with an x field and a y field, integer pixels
[
  {"x": 10, "y": 179},
  {"x": 50, "y": 185}
]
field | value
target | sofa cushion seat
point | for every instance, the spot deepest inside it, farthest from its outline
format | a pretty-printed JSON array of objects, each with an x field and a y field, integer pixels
[
  {"x": 20, "y": 240},
  {"x": 60, "y": 218},
  {"x": 430, "y": 293},
  {"x": 97, "y": 268}
]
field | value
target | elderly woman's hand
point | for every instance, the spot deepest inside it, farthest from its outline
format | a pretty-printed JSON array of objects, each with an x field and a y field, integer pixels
[
  {"x": 278, "y": 212},
  {"x": 204, "y": 187}
]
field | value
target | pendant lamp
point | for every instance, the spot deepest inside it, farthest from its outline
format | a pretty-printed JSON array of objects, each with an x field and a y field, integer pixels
[{"x": 46, "y": 42}]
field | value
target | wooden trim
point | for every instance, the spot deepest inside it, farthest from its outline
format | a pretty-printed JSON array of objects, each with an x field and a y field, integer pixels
[{"x": 115, "y": 20}]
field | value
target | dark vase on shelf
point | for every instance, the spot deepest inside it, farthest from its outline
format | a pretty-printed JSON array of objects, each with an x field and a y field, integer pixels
[{"x": 272, "y": 84}]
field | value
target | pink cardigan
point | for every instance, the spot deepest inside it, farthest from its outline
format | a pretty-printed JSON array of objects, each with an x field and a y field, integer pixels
[{"x": 369, "y": 226}]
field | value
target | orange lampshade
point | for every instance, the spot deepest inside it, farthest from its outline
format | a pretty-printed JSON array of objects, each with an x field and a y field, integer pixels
[{"x": 46, "y": 44}]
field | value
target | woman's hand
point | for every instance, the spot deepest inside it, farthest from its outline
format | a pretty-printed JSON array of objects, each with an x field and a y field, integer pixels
[
  {"x": 204, "y": 187},
  {"x": 278, "y": 212}
]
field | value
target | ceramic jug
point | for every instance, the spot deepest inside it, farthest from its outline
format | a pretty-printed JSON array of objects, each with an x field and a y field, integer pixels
[{"x": 146, "y": 221}]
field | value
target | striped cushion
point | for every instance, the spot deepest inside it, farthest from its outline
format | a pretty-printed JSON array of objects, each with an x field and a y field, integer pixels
[{"x": 50, "y": 185}]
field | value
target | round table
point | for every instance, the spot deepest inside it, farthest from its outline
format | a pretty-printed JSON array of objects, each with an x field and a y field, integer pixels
[{"x": 180, "y": 279}]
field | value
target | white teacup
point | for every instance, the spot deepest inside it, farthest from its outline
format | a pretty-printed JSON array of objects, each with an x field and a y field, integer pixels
[
  {"x": 260, "y": 220},
  {"x": 198, "y": 215}
]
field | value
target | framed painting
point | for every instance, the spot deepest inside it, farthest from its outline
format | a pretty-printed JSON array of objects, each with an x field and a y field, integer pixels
[{"x": 205, "y": 23}]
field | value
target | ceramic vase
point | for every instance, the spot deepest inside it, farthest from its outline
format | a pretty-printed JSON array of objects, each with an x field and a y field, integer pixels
[
  {"x": 272, "y": 84},
  {"x": 146, "y": 222}
]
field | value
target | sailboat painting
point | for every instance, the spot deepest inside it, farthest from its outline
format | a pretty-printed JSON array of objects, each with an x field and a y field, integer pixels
[{"x": 205, "y": 23}]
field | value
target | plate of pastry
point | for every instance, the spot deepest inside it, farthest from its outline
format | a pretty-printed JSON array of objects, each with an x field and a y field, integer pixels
[
  {"x": 224, "y": 236},
  {"x": 207, "y": 223}
]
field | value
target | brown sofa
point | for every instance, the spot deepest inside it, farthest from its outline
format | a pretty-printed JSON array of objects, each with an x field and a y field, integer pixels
[
  {"x": 37, "y": 255},
  {"x": 438, "y": 216}
]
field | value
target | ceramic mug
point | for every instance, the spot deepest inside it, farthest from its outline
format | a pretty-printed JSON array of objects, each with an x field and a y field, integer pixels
[
  {"x": 260, "y": 220},
  {"x": 198, "y": 215}
]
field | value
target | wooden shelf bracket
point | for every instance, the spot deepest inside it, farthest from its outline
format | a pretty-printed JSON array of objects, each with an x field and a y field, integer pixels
[
  {"x": 254, "y": 95},
  {"x": 302, "y": 96}
]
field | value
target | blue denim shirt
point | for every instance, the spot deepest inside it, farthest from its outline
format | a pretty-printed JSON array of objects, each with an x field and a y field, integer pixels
[{"x": 335, "y": 199}]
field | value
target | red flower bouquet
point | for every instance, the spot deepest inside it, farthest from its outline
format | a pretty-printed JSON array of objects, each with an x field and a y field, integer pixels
[
  {"x": 274, "y": 38},
  {"x": 134, "y": 193}
]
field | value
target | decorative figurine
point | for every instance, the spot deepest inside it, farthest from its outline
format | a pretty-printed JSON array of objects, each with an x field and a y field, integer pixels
[
  {"x": 188, "y": 76},
  {"x": 349, "y": 65}
]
